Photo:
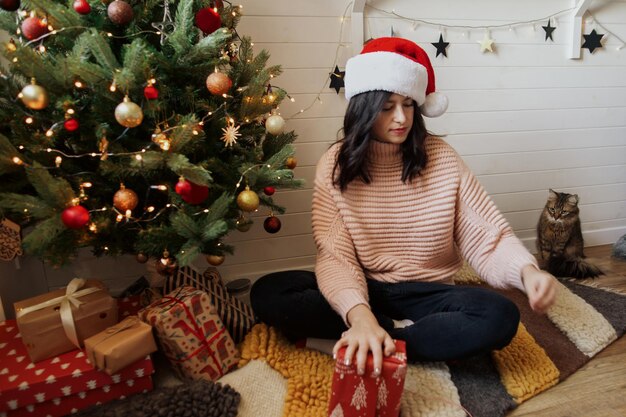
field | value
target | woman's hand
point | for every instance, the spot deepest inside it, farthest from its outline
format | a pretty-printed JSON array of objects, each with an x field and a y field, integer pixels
[
  {"x": 364, "y": 335},
  {"x": 540, "y": 287}
]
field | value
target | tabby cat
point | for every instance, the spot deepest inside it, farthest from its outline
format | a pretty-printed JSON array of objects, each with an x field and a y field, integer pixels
[{"x": 560, "y": 239}]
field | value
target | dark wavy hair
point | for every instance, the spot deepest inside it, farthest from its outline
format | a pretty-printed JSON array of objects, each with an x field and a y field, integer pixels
[{"x": 352, "y": 159}]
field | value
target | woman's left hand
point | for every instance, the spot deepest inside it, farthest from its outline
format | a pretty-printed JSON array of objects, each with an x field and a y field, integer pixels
[{"x": 540, "y": 288}]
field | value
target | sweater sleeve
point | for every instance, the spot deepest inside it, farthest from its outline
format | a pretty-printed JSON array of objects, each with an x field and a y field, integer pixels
[
  {"x": 339, "y": 274},
  {"x": 485, "y": 238}
]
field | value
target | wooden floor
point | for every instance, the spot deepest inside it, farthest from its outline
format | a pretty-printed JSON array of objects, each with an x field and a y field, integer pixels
[{"x": 599, "y": 388}]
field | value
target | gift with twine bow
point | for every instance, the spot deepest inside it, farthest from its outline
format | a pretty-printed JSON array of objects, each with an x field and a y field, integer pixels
[
  {"x": 121, "y": 345},
  {"x": 59, "y": 321}
]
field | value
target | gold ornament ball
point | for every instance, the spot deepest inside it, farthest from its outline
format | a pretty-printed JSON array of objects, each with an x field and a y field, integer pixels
[
  {"x": 128, "y": 114},
  {"x": 125, "y": 199},
  {"x": 34, "y": 96},
  {"x": 215, "y": 260},
  {"x": 291, "y": 162},
  {"x": 275, "y": 125},
  {"x": 243, "y": 224},
  {"x": 142, "y": 258},
  {"x": 248, "y": 200},
  {"x": 166, "y": 266},
  {"x": 218, "y": 83}
]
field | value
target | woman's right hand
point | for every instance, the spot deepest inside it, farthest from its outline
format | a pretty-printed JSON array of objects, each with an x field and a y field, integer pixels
[{"x": 363, "y": 336}]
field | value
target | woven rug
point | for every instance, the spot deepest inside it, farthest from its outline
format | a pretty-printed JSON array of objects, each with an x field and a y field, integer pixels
[{"x": 546, "y": 350}]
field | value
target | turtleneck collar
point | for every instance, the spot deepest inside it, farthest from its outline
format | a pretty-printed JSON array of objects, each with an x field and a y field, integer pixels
[{"x": 385, "y": 153}]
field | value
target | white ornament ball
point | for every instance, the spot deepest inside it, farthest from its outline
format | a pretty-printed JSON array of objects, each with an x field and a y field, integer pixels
[
  {"x": 275, "y": 124},
  {"x": 128, "y": 114},
  {"x": 34, "y": 96}
]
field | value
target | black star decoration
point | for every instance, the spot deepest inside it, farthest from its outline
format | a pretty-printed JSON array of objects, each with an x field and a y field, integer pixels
[
  {"x": 441, "y": 46},
  {"x": 592, "y": 41},
  {"x": 549, "y": 29},
  {"x": 336, "y": 79}
]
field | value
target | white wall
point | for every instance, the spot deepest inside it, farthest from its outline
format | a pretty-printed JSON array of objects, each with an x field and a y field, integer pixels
[{"x": 525, "y": 118}]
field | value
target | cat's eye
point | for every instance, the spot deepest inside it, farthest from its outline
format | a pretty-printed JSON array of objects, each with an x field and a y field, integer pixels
[
  {"x": 565, "y": 213},
  {"x": 551, "y": 209}
]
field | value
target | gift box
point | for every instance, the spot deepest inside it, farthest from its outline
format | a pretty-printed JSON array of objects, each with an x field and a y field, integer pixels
[
  {"x": 59, "y": 379},
  {"x": 191, "y": 334},
  {"x": 120, "y": 345},
  {"x": 353, "y": 395},
  {"x": 59, "y": 321}
]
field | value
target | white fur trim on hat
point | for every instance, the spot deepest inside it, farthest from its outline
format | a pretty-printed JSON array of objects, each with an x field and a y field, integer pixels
[{"x": 386, "y": 71}]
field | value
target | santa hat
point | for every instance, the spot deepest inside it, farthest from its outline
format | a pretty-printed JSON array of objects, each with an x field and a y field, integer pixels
[{"x": 399, "y": 66}]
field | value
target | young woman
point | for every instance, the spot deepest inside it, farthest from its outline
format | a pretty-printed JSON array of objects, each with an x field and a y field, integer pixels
[{"x": 395, "y": 212}]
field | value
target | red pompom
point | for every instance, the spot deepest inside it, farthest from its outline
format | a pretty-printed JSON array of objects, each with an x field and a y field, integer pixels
[
  {"x": 70, "y": 125},
  {"x": 33, "y": 28},
  {"x": 81, "y": 6},
  {"x": 269, "y": 190},
  {"x": 150, "y": 92},
  {"x": 75, "y": 217},
  {"x": 272, "y": 224},
  {"x": 208, "y": 20},
  {"x": 191, "y": 193}
]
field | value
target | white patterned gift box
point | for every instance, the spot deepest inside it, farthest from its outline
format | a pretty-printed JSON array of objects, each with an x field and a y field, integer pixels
[{"x": 60, "y": 385}]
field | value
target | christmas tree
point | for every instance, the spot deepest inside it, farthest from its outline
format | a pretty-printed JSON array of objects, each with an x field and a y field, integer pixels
[{"x": 145, "y": 127}]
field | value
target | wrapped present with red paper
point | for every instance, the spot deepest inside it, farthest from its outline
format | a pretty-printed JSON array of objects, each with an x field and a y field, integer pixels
[
  {"x": 60, "y": 385},
  {"x": 121, "y": 345},
  {"x": 59, "y": 321},
  {"x": 191, "y": 334},
  {"x": 353, "y": 395}
]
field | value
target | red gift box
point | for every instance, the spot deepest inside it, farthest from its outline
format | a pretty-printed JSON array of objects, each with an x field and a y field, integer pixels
[
  {"x": 353, "y": 395},
  {"x": 23, "y": 383}
]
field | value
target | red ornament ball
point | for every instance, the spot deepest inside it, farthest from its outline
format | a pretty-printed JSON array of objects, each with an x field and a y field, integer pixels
[
  {"x": 191, "y": 193},
  {"x": 269, "y": 190},
  {"x": 71, "y": 125},
  {"x": 272, "y": 224},
  {"x": 150, "y": 92},
  {"x": 33, "y": 28},
  {"x": 9, "y": 5},
  {"x": 208, "y": 20},
  {"x": 120, "y": 12},
  {"x": 81, "y": 7},
  {"x": 75, "y": 217}
]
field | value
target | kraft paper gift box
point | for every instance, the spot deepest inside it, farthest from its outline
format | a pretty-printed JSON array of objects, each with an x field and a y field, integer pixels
[
  {"x": 191, "y": 334},
  {"x": 120, "y": 345},
  {"x": 353, "y": 395},
  {"x": 57, "y": 385},
  {"x": 59, "y": 321}
]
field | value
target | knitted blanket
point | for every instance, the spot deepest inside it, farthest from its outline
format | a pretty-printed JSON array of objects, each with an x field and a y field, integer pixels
[{"x": 546, "y": 350}]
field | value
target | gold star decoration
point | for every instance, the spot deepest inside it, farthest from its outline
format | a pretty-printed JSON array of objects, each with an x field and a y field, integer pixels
[
  {"x": 486, "y": 44},
  {"x": 231, "y": 133}
]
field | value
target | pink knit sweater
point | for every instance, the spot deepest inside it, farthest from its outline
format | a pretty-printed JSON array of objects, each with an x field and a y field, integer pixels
[{"x": 419, "y": 231}]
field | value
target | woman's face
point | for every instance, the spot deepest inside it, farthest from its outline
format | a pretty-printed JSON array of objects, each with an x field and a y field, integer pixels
[{"x": 394, "y": 121}]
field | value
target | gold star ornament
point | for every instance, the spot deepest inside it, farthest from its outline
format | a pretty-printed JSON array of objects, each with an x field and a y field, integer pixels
[
  {"x": 486, "y": 44},
  {"x": 231, "y": 133}
]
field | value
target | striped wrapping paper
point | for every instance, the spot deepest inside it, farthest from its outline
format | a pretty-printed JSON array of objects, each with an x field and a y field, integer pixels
[{"x": 546, "y": 350}]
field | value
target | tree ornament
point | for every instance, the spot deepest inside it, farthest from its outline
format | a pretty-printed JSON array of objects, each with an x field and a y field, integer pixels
[
  {"x": 215, "y": 260},
  {"x": 243, "y": 223},
  {"x": 9, "y": 5},
  {"x": 33, "y": 27},
  {"x": 128, "y": 114},
  {"x": 218, "y": 4},
  {"x": 34, "y": 96},
  {"x": 75, "y": 217},
  {"x": 125, "y": 199},
  {"x": 231, "y": 133},
  {"x": 167, "y": 265},
  {"x": 291, "y": 162},
  {"x": 269, "y": 190},
  {"x": 248, "y": 200},
  {"x": 275, "y": 124},
  {"x": 71, "y": 125},
  {"x": 208, "y": 20},
  {"x": 81, "y": 7},
  {"x": 120, "y": 12},
  {"x": 150, "y": 92},
  {"x": 142, "y": 258},
  {"x": 191, "y": 193},
  {"x": 10, "y": 240},
  {"x": 218, "y": 83},
  {"x": 272, "y": 224}
]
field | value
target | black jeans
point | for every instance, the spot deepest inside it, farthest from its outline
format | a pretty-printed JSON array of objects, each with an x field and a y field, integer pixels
[{"x": 450, "y": 322}]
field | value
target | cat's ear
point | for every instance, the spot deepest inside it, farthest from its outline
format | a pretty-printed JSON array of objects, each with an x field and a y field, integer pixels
[
  {"x": 552, "y": 195},
  {"x": 573, "y": 199}
]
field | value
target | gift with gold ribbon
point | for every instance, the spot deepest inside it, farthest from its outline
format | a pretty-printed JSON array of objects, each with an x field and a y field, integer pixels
[
  {"x": 121, "y": 345},
  {"x": 59, "y": 321}
]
